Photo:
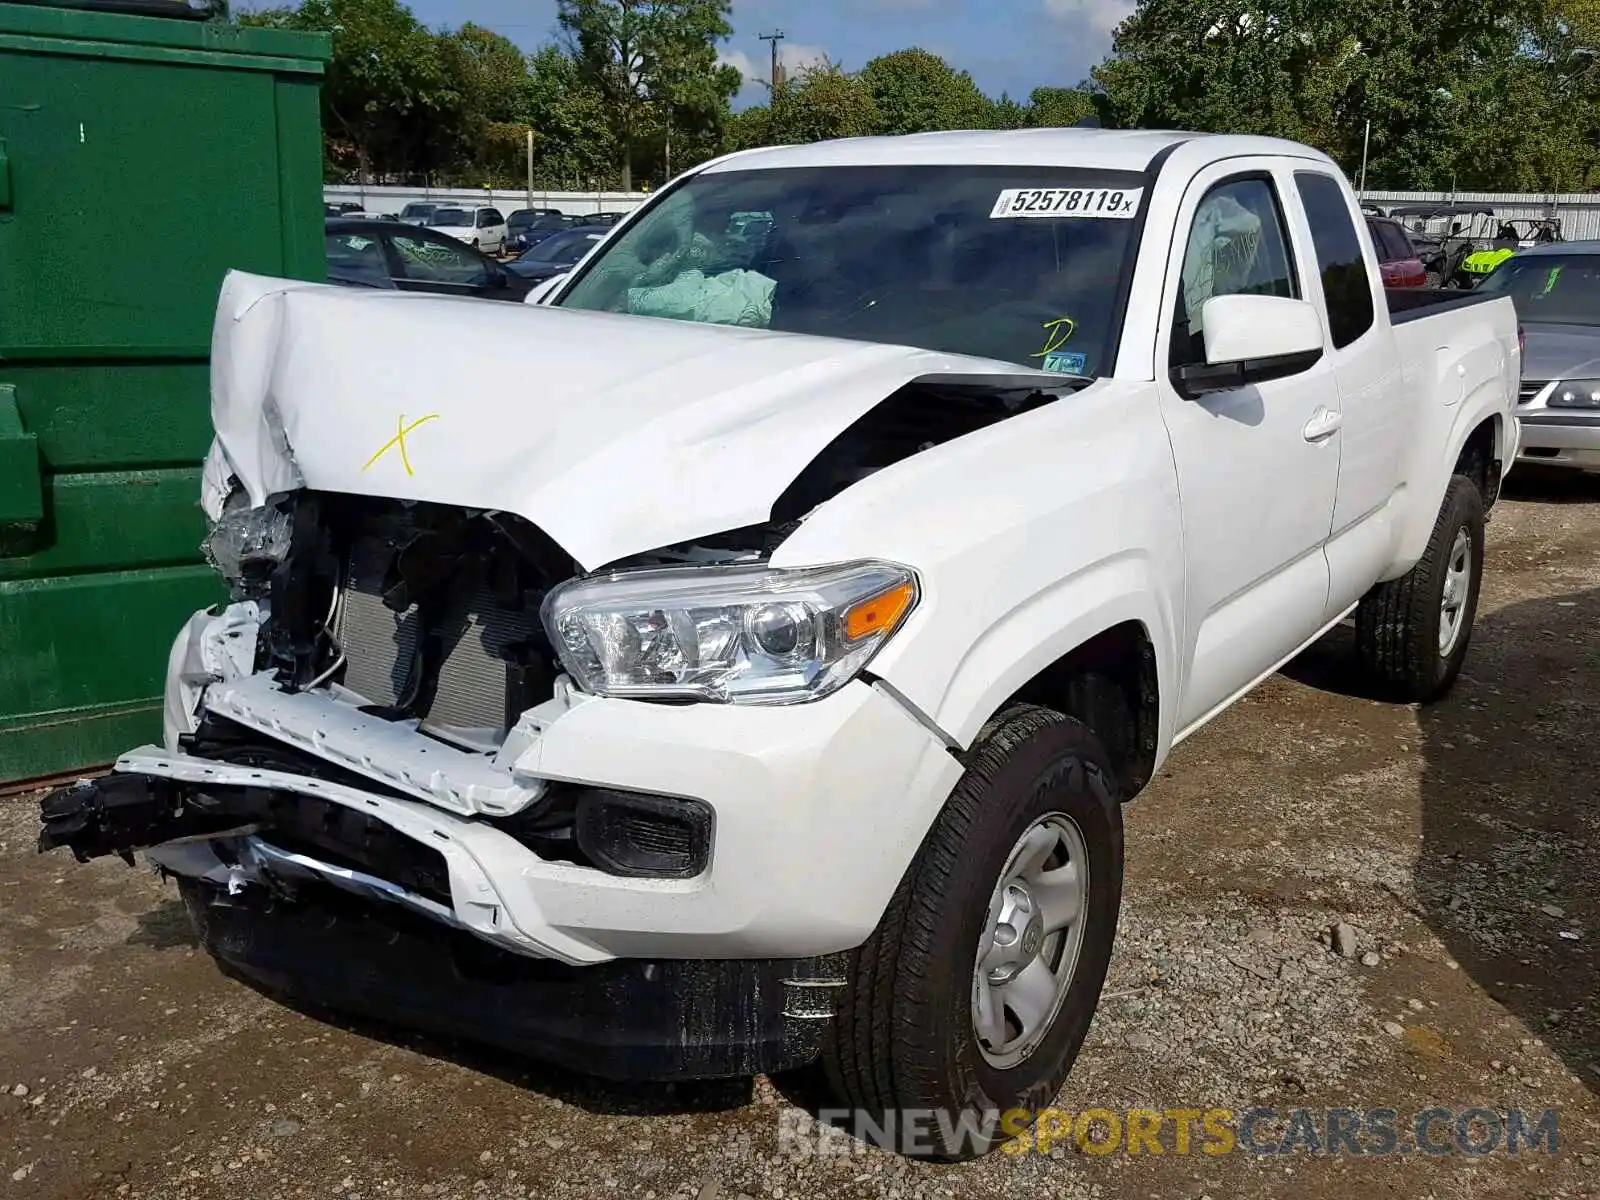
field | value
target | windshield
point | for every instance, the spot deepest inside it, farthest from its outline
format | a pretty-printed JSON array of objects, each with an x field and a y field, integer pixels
[
  {"x": 561, "y": 249},
  {"x": 451, "y": 217},
  {"x": 1561, "y": 289},
  {"x": 415, "y": 210},
  {"x": 1022, "y": 264}
]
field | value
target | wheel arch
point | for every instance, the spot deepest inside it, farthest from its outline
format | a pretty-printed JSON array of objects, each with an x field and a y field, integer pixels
[
  {"x": 1105, "y": 660},
  {"x": 1479, "y": 428}
]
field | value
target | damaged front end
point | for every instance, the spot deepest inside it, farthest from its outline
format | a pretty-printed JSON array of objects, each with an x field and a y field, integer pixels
[{"x": 433, "y": 746}]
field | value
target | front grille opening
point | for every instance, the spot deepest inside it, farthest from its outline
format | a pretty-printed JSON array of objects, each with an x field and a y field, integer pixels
[
  {"x": 420, "y": 612},
  {"x": 1531, "y": 388}
]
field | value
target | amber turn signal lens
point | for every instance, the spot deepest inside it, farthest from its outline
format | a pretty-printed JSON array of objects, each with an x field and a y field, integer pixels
[{"x": 880, "y": 613}]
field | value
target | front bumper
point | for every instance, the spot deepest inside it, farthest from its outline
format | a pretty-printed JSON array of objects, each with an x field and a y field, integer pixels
[
  {"x": 1561, "y": 438},
  {"x": 818, "y": 810}
]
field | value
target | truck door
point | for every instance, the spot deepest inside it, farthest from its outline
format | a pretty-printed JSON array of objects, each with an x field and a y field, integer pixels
[
  {"x": 1257, "y": 466},
  {"x": 1366, "y": 368}
]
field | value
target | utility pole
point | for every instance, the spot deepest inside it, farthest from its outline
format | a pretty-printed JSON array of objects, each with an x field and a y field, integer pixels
[
  {"x": 530, "y": 166},
  {"x": 776, "y": 78},
  {"x": 1366, "y": 145}
]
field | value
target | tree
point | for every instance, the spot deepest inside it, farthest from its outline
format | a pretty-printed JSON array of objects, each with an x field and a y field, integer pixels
[
  {"x": 1421, "y": 72},
  {"x": 1056, "y": 107},
  {"x": 916, "y": 91},
  {"x": 822, "y": 102},
  {"x": 573, "y": 145},
  {"x": 385, "y": 76},
  {"x": 480, "y": 128},
  {"x": 653, "y": 61}
]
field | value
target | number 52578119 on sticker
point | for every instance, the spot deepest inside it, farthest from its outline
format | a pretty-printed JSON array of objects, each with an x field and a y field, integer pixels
[{"x": 1116, "y": 204}]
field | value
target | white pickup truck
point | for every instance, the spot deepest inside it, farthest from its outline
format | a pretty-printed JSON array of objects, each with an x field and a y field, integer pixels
[{"x": 748, "y": 669}]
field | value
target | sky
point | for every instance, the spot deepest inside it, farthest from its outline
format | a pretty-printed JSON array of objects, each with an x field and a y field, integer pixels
[{"x": 1008, "y": 45}]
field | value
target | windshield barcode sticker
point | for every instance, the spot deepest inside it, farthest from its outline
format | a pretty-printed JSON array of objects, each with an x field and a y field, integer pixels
[{"x": 1116, "y": 204}]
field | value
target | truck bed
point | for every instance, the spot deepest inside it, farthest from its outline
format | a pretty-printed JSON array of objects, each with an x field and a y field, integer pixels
[{"x": 1412, "y": 304}]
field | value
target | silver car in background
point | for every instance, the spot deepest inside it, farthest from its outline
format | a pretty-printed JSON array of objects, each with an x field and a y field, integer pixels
[{"x": 1556, "y": 289}]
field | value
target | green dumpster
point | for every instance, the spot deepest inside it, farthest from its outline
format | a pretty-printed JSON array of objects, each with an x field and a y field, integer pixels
[{"x": 141, "y": 157}]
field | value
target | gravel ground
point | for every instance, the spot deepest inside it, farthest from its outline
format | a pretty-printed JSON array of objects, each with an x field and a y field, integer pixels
[{"x": 1330, "y": 902}]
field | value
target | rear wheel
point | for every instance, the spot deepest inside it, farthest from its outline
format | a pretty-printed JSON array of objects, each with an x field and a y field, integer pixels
[
  {"x": 975, "y": 993},
  {"x": 1412, "y": 633}
]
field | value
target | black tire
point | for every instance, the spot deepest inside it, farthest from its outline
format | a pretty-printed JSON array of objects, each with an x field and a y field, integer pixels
[
  {"x": 1397, "y": 623},
  {"x": 903, "y": 1046}
]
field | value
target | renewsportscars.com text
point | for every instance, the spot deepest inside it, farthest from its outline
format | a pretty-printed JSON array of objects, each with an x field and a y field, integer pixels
[{"x": 1372, "y": 1132}]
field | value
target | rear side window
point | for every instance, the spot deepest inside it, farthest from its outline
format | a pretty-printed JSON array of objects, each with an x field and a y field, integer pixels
[
  {"x": 1346, "y": 285},
  {"x": 1400, "y": 246}
]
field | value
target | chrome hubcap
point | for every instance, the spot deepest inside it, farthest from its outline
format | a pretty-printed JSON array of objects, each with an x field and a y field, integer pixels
[
  {"x": 1029, "y": 948},
  {"x": 1457, "y": 587}
]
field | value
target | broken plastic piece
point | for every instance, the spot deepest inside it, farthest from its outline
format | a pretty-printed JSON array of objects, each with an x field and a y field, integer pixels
[{"x": 246, "y": 543}]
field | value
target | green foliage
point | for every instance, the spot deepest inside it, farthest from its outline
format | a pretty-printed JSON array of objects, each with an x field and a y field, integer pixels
[
  {"x": 385, "y": 86},
  {"x": 916, "y": 91},
  {"x": 822, "y": 102},
  {"x": 1050, "y": 107},
  {"x": 1469, "y": 94},
  {"x": 1459, "y": 93},
  {"x": 654, "y": 62}
]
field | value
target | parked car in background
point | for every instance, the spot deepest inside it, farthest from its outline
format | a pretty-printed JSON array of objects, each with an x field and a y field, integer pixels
[
  {"x": 1556, "y": 288},
  {"x": 392, "y": 254},
  {"x": 599, "y": 218},
  {"x": 484, "y": 228},
  {"x": 1398, "y": 261},
  {"x": 529, "y": 226},
  {"x": 555, "y": 254},
  {"x": 343, "y": 208},
  {"x": 419, "y": 212}
]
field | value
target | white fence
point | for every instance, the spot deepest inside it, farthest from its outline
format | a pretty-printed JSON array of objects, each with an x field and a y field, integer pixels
[
  {"x": 393, "y": 199},
  {"x": 1579, "y": 211}
]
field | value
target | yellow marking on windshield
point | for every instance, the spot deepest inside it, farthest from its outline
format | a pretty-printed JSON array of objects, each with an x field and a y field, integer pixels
[
  {"x": 1057, "y": 334},
  {"x": 399, "y": 440}
]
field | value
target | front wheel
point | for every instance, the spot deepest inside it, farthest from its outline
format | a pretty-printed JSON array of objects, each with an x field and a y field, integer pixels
[
  {"x": 1412, "y": 633},
  {"x": 967, "y": 1007}
]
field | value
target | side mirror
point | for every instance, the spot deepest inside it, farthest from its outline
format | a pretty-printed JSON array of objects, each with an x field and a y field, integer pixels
[
  {"x": 540, "y": 292},
  {"x": 1252, "y": 339}
]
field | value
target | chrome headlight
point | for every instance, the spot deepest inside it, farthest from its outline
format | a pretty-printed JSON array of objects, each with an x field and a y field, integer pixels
[
  {"x": 246, "y": 544},
  {"x": 739, "y": 635},
  {"x": 1575, "y": 393}
]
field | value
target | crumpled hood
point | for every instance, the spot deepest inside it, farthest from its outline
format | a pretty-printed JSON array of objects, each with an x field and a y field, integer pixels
[{"x": 614, "y": 434}]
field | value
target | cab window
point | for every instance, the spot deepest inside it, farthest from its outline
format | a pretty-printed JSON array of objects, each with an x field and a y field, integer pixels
[{"x": 1237, "y": 245}]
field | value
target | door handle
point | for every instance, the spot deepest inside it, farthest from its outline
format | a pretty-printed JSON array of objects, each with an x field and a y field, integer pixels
[{"x": 1324, "y": 423}]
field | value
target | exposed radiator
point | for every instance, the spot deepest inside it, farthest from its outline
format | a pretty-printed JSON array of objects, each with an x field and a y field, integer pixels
[{"x": 383, "y": 654}]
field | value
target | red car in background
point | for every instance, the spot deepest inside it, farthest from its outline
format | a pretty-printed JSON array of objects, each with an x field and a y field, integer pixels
[{"x": 1397, "y": 257}]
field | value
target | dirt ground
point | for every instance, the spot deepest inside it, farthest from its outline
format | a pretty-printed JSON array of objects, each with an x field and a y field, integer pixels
[{"x": 1461, "y": 844}]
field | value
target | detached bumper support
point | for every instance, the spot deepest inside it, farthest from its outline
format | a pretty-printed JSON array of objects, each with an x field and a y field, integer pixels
[{"x": 120, "y": 813}]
